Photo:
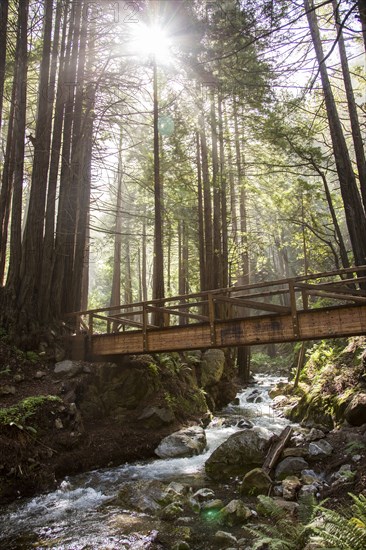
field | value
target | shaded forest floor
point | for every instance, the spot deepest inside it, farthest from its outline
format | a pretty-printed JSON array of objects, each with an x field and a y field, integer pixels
[{"x": 46, "y": 440}]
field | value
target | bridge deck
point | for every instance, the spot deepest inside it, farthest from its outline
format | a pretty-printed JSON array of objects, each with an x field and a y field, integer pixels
[{"x": 325, "y": 305}]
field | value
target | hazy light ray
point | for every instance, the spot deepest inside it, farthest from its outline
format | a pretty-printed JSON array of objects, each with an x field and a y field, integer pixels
[{"x": 152, "y": 40}]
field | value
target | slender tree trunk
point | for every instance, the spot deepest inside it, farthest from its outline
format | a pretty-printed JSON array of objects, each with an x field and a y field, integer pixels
[
  {"x": 217, "y": 255},
  {"x": 223, "y": 187},
  {"x": 201, "y": 230},
  {"x": 144, "y": 261},
  {"x": 79, "y": 179},
  {"x": 49, "y": 232},
  {"x": 7, "y": 180},
  {"x": 117, "y": 255},
  {"x": 61, "y": 261},
  {"x": 207, "y": 206},
  {"x": 355, "y": 215},
  {"x": 352, "y": 109},
  {"x": 19, "y": 137},
  {"x": 337, "y": 229},
  {"x": 4, "y": 10},
  {"x": 362, "y": 12},
  {"x": 31, "y": 264},
  {"x": 85, "y": 279},
  {"x": 158, "y": 271},
  {"x": 243, "y": 356}
]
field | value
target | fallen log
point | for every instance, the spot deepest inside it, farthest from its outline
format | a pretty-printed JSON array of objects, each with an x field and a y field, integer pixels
[{"x": 276, "y": 449}]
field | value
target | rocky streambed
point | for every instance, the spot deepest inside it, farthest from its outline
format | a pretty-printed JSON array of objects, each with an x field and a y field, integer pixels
[{"x": 200, "y": 493}]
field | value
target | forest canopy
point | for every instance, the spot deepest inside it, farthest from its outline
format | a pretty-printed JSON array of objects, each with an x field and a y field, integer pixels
[{"x": 151, "y": 148}]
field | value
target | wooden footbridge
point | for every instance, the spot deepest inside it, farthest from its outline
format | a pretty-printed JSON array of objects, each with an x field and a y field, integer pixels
[{"x": 317, "y": 306}]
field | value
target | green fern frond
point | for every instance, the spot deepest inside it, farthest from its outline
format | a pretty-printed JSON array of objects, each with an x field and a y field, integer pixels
[{"x": 340, "y": 531}]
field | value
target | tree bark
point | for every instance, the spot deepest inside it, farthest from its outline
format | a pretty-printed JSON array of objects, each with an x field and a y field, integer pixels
[
  {"x": 4, "y": 11},
  {"x": 158, "y": 270},
  {"x": 243, "y": 355},
  {"x": 362, "y": 12},
  {"x": 223, "y": 187},
  {"x": 207, "y": 207},
  {"x": 19, "y": 137},
  {"x": 217, "y": 256},
  {"x": 352, "y": 109},
  {"x": 31, "y": 264},
  {"x": 201, "y": 230},
  {"x": 117, "y": 254},
  {"x": 49, "y": 231},
  {"x": 355, "y": 215}
]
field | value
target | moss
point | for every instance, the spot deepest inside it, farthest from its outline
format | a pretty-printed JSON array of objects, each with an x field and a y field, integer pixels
[{"x": 20, "y": 413}]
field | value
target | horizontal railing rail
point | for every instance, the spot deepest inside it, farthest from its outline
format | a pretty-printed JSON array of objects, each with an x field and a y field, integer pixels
[{"x": 277, "y": 297}]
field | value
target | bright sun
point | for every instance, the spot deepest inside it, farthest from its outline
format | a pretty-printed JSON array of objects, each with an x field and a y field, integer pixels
[{"x": 152, "y": 41}]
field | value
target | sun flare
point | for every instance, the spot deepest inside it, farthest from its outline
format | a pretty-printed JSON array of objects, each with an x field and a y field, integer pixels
[{"x": 152, "y": 41}]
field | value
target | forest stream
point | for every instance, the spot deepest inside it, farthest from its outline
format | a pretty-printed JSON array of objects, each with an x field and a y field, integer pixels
[{"x": 82, "y": 513}]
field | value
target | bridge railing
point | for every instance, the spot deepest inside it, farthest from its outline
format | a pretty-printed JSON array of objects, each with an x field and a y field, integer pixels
[{"x": 277, "y": 297}]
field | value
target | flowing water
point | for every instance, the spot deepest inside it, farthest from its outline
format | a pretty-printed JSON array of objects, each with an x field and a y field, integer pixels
[{"x": 81, "y": 515}]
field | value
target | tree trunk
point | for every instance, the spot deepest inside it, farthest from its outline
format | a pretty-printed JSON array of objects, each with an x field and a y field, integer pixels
[
  {"x": 207, "y": 208},
  {"x": 362, "y": 12},
  {"x": 117, "y": 255},
  {"x": 19, "y": 137},
  {"x": 352, "y": 109},
  {"x": 217, "y": 256},
  {"x": 49, "y": 231},
  {"x": 158, "y": 271},
  {"x": 31, "y": 264},
  {"x": 243, "y": 356},
  {"x": 4, "y": 10},
  {"x": 223, "y": 187},
  {"x": 61, "y": 262},
  {"x": 355, "y": 215},
  {"x": 7, "y": 180},
  {"x": 201, "y": 230}
]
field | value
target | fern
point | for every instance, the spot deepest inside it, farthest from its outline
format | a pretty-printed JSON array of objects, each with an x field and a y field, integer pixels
[
  {"x": 284, "y": 533},
  {"x": 340, "y": 531}
]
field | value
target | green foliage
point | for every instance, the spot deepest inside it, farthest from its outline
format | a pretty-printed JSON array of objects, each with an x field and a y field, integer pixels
[
  {"x": 32, "y": 356},
  {"x": 18, "y": 415},
  {"x": 153, "y": 368},
  {"x": 354, "y": 447},
  {"x": 283, "y": 532},
  {"x": 316, "y": 523},
  {"x": 343, "y": 531}
]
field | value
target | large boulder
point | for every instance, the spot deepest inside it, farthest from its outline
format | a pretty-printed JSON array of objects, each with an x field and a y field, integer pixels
[
  {"x": 290, "y": 466},
  {"x": 240, "y": 453},
  {"x": 186, "y": 442},
  {"x": 116, "y": 389},
  {"x": 355, "y": 413},
  {"x": 212, "y": 367},
  {"x": 144, "y": 495},
  {"x": 68, "y": 368},
  {"x": 156, "y": 417}
]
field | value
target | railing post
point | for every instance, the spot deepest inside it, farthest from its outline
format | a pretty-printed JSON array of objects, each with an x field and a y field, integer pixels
[
  {"x": 144, "y": 327},
  {"x": 292, "y": 293},
  {"x": 91, "y": 324},
  {"x": 211, "y": 318}
]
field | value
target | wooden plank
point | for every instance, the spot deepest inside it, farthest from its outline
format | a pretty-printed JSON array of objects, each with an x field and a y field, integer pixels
[
  {"x": 312, "y": 324},
  {"x": 338, "y": 296},
  {"x": 325, "y": 287},
  {"x": 260, "y": 306},
  {"x": 179, "y": 313},
  {"x": 276, "y": 449}
]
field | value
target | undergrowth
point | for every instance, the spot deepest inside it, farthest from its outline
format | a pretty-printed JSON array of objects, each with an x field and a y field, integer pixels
[{"x": 315, "y": 524}]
